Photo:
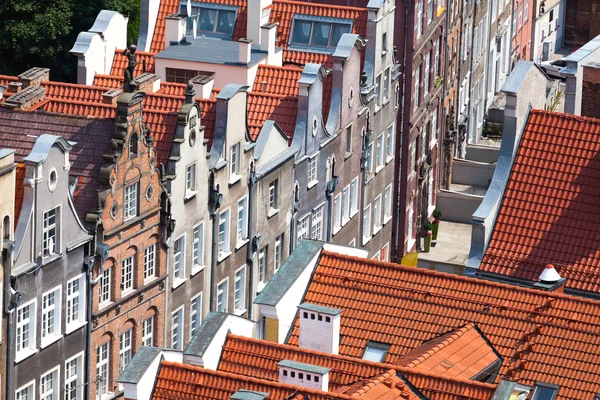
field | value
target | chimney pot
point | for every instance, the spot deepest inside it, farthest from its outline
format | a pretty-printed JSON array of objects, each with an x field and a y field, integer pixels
[
  {"x": 549, "y": 274},
  {"x": 203, "y": 85},
  {"x": 15, "y": 87},
  {"x": 319, "y": 328},
  {"x": 34, "y": 76},
  {"x": 245, "y": 46},
  {"x": 305, "y": 375},
  {"x": 111, "y": 96}
]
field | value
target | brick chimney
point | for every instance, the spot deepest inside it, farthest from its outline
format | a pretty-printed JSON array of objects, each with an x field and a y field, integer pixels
[
  {"x": 590, "y": 102},
  {"x": 15, "y": 87},
  {"x": 245, "y": 50},
  {"x": 27, "y": 97},
  {"x": 148, "y": 83},
  {"x": 305, "y": 375},
  {"x": 203, "y": 85},
  {"x": 319, "y": 328},
  {"x": 111, "y": 96},
  {"x": 34, "y": 76}
]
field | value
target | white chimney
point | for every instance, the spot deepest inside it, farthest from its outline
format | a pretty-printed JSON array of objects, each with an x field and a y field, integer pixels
[
  {"x": 245, "y": 46},
  {"x": 175, "y": 29},
  {"x": 305, "y": 375},
  {"x": 203, "y": 85},
  {"x": 268, "y": 37},
  {"x": 319, "y": 328},
  {"x": 258, "y": 15},
  {"x": 549, "y": 275}
]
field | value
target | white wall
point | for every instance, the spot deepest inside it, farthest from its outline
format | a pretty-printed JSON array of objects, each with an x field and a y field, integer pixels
[{"x": 224, "y": 74}]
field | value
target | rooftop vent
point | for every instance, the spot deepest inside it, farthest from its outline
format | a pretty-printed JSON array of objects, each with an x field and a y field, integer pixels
[
  {"x": 34, "y": 76},
  {"x": 550, "y": 280},
  {"x": 305, "y": 375},
  {"x": 248, "y": 395},
  {"x": 203, "y": 85},
  {"x": 26, "y": 97},
  {"x": 319, "y": 328},
  {"x": 110, "y": 97}
]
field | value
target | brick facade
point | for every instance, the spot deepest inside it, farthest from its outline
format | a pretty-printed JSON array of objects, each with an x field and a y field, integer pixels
[{"x": 590, "y": 103}]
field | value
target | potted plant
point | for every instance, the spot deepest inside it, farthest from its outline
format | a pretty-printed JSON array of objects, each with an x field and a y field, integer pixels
[
  {"x": 437, "y": 214},
  {"x": 427, "y": 235}
]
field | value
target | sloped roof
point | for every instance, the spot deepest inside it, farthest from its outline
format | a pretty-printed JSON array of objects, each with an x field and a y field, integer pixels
[
  {"x": 281, "y": 81},
  {"x": 463, "y": 353},
  {"x": 542, "y": 336},
  {"x": 72, "y": 91},
  {"x": 6, "y": 79},
  {"x": 550, "y": 212},
  {"x": 108, "y": 81},
  {"x": 259, "y": 359},
  {"x": 386, "y": 386},
  {"x": 264, "y": 106},
  {"x": 120, "y": 62}
]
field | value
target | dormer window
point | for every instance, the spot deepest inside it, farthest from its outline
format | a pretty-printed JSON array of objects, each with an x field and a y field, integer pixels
[
  {"x": 376, "y": 351},
  {"x": 213, "y": 19},
  {"x": 318, "y": 32}
]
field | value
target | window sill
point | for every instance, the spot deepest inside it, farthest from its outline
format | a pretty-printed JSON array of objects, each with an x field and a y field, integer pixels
[
  {"x": 376, "y": 230},
  {"x": 45, "y": 342},
  {"x": 223, "y": 255},
  {"x": 220, "y": 164},
  {"x": 272, "y": 212},
  {"x": 149, "y": 280},
  {"x": 105, "y": 305},
  {"x": 312, "y": 184},
  {"x": 387, "y": 219},
  {"x": 177, "y": 282},
  {"x": 336, "y": 229},
  {"x": 389, "y": 159},
  {"x": 345, "y": 221},
  {"x": 260, "y": 286},
  {"x": 369, "y": 177},
  {"x": 24, "y": 354},
  {"x": 347, "y": 155},
  {"x": 379, "y": 169},
  {"x": 233, "y": 179},
  {"x": 353, "y": 213},
  {"x": 366, "y": 239},
  {"x": 190, "y": 195},
  {"x": 125, "y": 293},
  {"x": 73, "y": 326},
  {"x": 241, "y": 244},
  {"x": 239, "y": 312},
  {"x": 196, "y": 269}
]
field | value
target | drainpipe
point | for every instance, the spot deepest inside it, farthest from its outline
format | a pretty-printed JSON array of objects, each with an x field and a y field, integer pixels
[
  {"x": 214, "y": 202},
  {"x": 440, "y": 170},
  {"x": 295, "y": 208},
  {"x": 253, "y": 245},
  {"x": 363, "y": 175},
  {"x": 9, "y": 308},
  {"x": 89, "y": 263}
]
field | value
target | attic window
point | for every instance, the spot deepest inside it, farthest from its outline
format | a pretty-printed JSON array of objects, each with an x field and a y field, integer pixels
[
  {"x": 213, "y": 19},
  {"x": 375, "y": 351},
  {"x": 324, "y": 33},
  {"x": 544, "y": 391}
]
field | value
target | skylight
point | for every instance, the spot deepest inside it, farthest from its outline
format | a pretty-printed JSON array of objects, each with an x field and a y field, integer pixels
[
  {"x": 375, "y": 351},
  {"x": 213, "y": 19},
  {"x": 318, "y": 32},
  {"x": 544, "y": 391}
]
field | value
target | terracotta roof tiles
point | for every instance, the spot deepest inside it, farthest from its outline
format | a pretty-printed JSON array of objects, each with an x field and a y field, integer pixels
[
  {"x": 549, "y": 212},
  {"x": 277, "y": 80},
  {"x": 542, "y": 336},
  {"x": 386, "y": 386},
  {"x": 108, "y": 81},
  {"x": 143, "y": 58},
  {"x": 264, "y": 106}
]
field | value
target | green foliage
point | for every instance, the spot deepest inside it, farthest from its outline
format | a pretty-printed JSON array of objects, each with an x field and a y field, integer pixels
[
  {"x": 427, "y": 226},
  {"x": 40, "y": 33},
  {"x": 437, "y": 213}
]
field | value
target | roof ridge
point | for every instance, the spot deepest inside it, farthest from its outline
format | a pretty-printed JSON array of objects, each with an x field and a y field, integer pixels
[
  {"x": 10, "y": 77},
  {"x": 564, "y": 116},
  {"x": 329, "y": 6},
  {"x": 74, "y": 85},
  {"x": 387, "y": 366}
]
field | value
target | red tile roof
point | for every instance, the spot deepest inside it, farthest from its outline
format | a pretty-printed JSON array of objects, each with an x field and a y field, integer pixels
[
  {"x": 264, "y": 106},
  {"x": 542, "y": 336},
  {"x": 277, "y": 80},
  {"x": 108, "y": 81},
  {"x": 6, "y": 79},
  {"x": 386, "y": 386},
  {"x": 259, "y": 358},
  {"x": 19, "y": 191},
  {"x": 75, "y": 92},
  {"x": 463, "y": 353},
  {"x": 549, "y": 212},
  {"x": 120, "y": 62}
]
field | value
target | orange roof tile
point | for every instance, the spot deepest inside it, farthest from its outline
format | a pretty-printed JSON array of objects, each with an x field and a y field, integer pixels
[
  {"x": 19, "y": 191},
  {"x": 74, "y": 92},
  {"x": 548, "y": 213},
  {"x": 259, "y": 359},
  {"x": 174, "y": 89},
  {"x": 6, "y": 79},
  {"x": 264, "y": 106},
  {"x": 143, "y": 58},
  {"x": 386, "y": 386},
  {"x": 277, "y": 80},
  {"x": 108, "y": 81},
  {"x": 463, "y": 353},
  {"x": 542, "y": 336},
  {"x": 186, "y": 382}
]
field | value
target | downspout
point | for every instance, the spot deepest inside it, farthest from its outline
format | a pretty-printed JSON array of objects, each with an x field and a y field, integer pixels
[
  {"x": 328, "y": 195},
  {"x": 440, "y": 172},
  {"x": 253, "y": 245},
  {"x": 9, "y": 309},
  {"x": 363, "y": 175},
  {"x": 214, "y": 202},
  {"x": 89, "y": 263}
]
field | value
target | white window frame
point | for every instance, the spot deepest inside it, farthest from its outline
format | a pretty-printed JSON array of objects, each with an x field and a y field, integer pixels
[
  {"x": 277, "y": 253},
  {"x": 378, "y": 91},
  {"x": 195, "y": 313},
  {"x": 102, "y": 370},
  {"x": 105, "y": 281},
  {"x": 426, "y": 74},
  {"x": 150, "y": 263},
  {"x": 354, "y": 197},
  {"x": 53, "y": 392},
  {"x": 302, "y": 228},
  {"x": 223, "y": 290},
  {"x": 127, "y": 271},
  {"x": 177, "y": 329},
  {"x": 75, "y": 299},
  {"x": 389, "y": 143},
  {"x": 317, "y": 223},
  {"x": 273, "y": 197},
  {"x": 386, "y": 85},
  {"x": 385, "y": 258},
  {"x": 366, "y": 233},
  {"x": 241, "y": 234},
  {"x": 337, "y": 213},
  {"x": 239, "y": 291},
  {"x": 419, "y": 18},
  {"x": 148, "y": 331},
  {"x": 387, "y": 204},
  {"x": 417, "y": 83},
  {"x": 75, "y": 379},
  {"x": 349, "y": 130},
  {"x": 50, "y": 240},
  {"x": 224, "y": 248},
  {"x": 131, "y": 202},
  {"x": 346, "y": 205},
  {"x": 313, "y": 163},
  {"x": 377, "y": 221},
  {"x": 198, "y": 248},
  {"x": 125, "y": 348},
  {"x": 262, "y": 264},
  {"x": 409, "y": 216},
  {"x": 190, "y": 180},
  {"x": 179, "y": 256},
  {"x": 30, "y": 388},
  {"x": 50, "y": 336},
  {"x": 379, "y": 153},
  {"x": 235, "y": 158},
  {"x": 369, "y": 162}
]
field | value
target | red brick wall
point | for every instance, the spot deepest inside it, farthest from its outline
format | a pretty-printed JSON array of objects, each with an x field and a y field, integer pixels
[{"x": 590, "y": 102}]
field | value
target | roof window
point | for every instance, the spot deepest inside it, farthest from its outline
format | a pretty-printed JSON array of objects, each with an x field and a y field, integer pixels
[
  {"x": 213, "y": 19},
  {"x": 375, "y": 351},
  {"x": 318, "y": 32},
  {"x": 544, "y": 391}
]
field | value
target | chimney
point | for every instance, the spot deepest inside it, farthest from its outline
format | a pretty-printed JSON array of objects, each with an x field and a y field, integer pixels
[
  {"x": 258, "y": 15},
  {"x": 319, "y": 328},
  {"x": 34, "y": 76},
  {"x": 249, "y": 395},
  {"x": 175, "y": 29},
  {"x": 550, "y": 280},
  {"x": 15, "y": 87},
  {"x": 245, "y": 46},
  {"x": 111, "y": 96},
  {"x": 203, "y": 85},
  {"x": 268, "y": 36},
  {"x": 305, "y": 375},
  {"x": 27, "y": 97},
  {"x": 148, "y": 83},
  {"x": 590, "y": 87}
]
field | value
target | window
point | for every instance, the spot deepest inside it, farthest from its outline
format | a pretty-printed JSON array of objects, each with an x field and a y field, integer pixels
[
  {"x": 312, "y": 170},
  {"x": 386, "y": 84},
  {"x": 239, "y": 291},
  {"x": 273, "y": 188},
  {"x": 278, "y": 250},
  {"x": 198, "y": 247},
  {"x": 354, "y": 196},
  {"x": 75, "y": 302},
  {"x": 262, "y": 264},
  {"x": 179, "y": 259},
  {"x": 223, "y": 234},
  {"x": 416, "y": 92},
  {"x": 26, "y": 318},
  {"x": 409, "y": 214},
  {"x": 302, "y": 229},
  {"x": 379, "y": 151},
  {"x": 436, "y": 59},
  {"x": 413, "y": 157},
  {"x": 195, "y": 313},
  {"x": 419, "y": 18},
  {"x": 387, "y": 204},
  {"x": 73, "y": 375},
  {"x": 190, "y": 179},
  {"x": 317, "y": 224},
  {"x": 377, "y": 213},
  {"x": 50, "y": 238},
  {"x": 375, "y": 351},
  {"x": 102, "y": 358},
  {"x": 127, "y": 274},
  {"x": 544, "y": 391},
  {"x": 384, "y": 44},
  {"x": 222, "y": 295},
  {"x": 385, "y": 252},
  {"x": 104, "y": 287},
  {"x": 242, "y": 220},
  {"x": 125, "y": 349},
  {"x": 426, "y": 74},
  {"x": 429, "y": 11},
  {"x": 131, "y": 201},
  {"x": 369, "y": 161},
  {"x": 26, "y": 393},
  {"x": 349, "y": 139},
  {"x": 378, "y": 90},
  {"x": 49, "y": 386},
  {"x": 213, "y": 21},
  {"x": 389, "y": 143},
  {"x": 367, "y": 224},
  {"x": 234, "y": 162},
  {"x": 133, "y": 145},
  {"x": 150, "y": 262},
  {"x": 51, "y": 307},
  {"x": 307, "y": 32},
  {"x": 434, "y": 125},
  {"x": 177, "y": 329},
  {"x": 337, "y": 212},
  {"x": 345, "y": 205},
  {"x": 520, "y": 16},
  {"x": 177, "y": 75},
  {"x": 148, "y": 332}
]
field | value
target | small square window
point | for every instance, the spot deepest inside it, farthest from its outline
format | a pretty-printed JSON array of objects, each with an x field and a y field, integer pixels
[
  {"x": 308, "y": 377},
  {"x": 316, "y": 378},
  {"x": 293, "y": 374},
  {"x": 305, "y": 315},
  {"x": 327, "y": 319},
  {"x": 285, "y": 373},
  {"x": 300, "y": 375},
  {"x": 312, "y": 316},
  {"x": 320, "y": 318}
]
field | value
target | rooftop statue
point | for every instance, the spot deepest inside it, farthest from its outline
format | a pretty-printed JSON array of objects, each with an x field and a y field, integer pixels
[{"x": 130, "y": 85}]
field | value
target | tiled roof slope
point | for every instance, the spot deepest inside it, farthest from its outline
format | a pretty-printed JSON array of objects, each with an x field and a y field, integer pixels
[
  {"x": 542, "y": 336},
  {"x": 19, "y": 131},
  {"x": 19, "y": 191},
  {"x": 72, "y": 91},
  {"x": 463, "y": 353},
  {"x": 550, "y": 210},
  {"x": 108, "y": 81},
  {"x": 259, "y": 358},
  {"x": 386, "y": 386},
  {"x": 6, "y": 79},
  {"x": 120, "y": 62},
  {"x": 186, "y": 382},
  {"x": 264, "y": 106},
  {"x": 281, "y": 81}
]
